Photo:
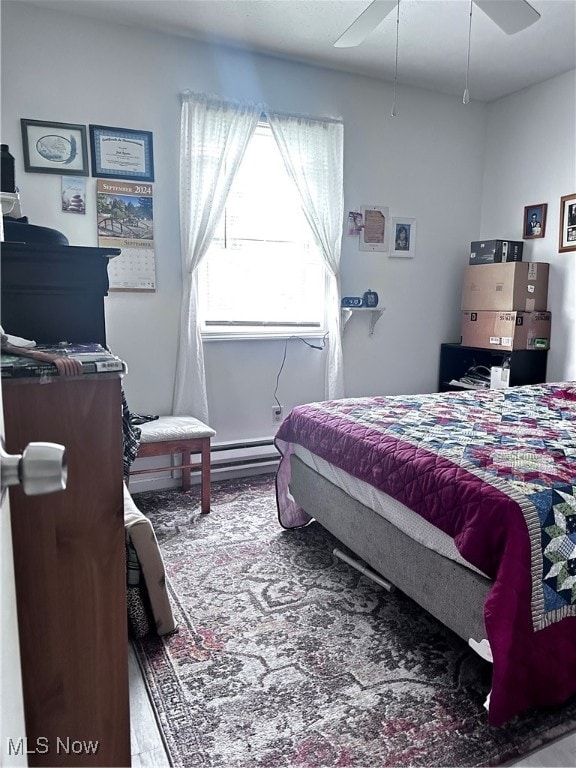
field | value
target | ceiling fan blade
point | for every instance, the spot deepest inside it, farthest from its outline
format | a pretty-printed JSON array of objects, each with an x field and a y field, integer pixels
[
  {"x": 510, "y": 15},
  {"x": 368, "y": 20}
]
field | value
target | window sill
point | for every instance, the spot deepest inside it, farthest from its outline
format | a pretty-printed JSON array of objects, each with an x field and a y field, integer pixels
[{"x": 255, "y": 336}]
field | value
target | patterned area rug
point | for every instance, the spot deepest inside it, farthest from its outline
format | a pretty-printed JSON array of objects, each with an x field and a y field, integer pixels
[{"x": 286, "y": 656}]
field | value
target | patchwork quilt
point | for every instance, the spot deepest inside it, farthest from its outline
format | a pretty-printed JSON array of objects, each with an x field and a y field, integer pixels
[{"x": 496, "y": 471}]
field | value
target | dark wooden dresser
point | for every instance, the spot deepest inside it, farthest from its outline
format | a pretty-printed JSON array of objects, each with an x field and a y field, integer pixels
[
  {"x": 69, "y": 561},
  {"x": 53, "y": 293}
]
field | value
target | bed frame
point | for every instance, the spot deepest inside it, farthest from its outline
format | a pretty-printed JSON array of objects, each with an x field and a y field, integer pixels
[{"x": 451, "y": 592}]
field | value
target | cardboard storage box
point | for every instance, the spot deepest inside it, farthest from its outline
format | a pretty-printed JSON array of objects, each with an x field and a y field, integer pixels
[
  {"x": 506, "y": 330},
  {"x": 495, "y": 251},
  {"x": 520, "y": 286}
]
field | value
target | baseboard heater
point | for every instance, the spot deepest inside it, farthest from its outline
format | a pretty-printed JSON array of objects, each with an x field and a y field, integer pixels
[
  {"x": 240, "y": 458},
  {"x": 242, "y": 454}
]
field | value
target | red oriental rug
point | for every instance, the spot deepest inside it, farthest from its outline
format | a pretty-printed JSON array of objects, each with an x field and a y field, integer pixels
[{"x": 286, "y": 656}]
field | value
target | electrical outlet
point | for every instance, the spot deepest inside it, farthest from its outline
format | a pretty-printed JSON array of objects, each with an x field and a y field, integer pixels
[{"x": 277, "y": 412}]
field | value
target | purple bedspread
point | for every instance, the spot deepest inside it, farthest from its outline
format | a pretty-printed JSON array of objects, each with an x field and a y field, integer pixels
[{"x": 494, "y": 469}]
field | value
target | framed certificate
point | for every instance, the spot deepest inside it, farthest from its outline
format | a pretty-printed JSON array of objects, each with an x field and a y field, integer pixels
[{"x": 120, "y": 153}]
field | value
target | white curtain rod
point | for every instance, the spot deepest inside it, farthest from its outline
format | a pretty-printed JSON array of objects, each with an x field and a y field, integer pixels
[{"x": 213, "y": 99}]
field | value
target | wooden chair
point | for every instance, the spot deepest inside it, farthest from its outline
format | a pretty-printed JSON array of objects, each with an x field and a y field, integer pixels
[{"x": 182, "y": 435}]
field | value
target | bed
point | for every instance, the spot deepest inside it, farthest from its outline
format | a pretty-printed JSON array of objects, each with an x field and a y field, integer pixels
[{"x": 466, "y": 502}]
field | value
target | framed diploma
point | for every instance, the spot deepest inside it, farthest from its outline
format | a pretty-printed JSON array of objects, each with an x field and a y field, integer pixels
[{"x": 120, "y": 153}]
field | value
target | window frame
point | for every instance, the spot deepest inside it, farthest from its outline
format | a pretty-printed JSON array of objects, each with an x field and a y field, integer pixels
[
  {"x": 230, "y": 330},
  {"x": 283, "y": 332}
]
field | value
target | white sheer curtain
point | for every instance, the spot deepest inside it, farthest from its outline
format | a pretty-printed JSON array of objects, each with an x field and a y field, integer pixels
[
  {"x": 214, "y": 134},
  {"x": 313, "y": 153}
]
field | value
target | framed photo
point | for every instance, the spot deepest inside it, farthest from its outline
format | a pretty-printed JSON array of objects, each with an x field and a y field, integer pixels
[
  {"x": 354, "y": 223},
  {"x": 534, "y": 221},
  {"x": 567, "y": 240},
  {"x": 54, "y": 148},
  {"x": 120, "y": 153},
  {"x": 374, "y": 234},
  {"x": 403, "y": 233}
]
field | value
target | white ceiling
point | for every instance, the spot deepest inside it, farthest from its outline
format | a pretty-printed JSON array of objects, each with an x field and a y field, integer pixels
[{"x": 433, "y": 37}]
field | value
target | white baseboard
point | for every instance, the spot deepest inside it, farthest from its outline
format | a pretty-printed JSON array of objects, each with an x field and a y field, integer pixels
[{"x": 163, "y": 481}]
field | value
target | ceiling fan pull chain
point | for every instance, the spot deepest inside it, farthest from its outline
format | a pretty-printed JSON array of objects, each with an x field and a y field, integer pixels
[
  {"x": 393, "y": 112},
  {"x": 466, "y": 96}
]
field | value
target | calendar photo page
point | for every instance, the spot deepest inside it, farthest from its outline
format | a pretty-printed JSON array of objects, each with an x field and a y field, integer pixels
[{"x": 125, "y": 214}]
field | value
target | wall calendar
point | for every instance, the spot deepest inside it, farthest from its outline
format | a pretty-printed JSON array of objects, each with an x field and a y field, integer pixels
[{"x": 125, "y": 214}]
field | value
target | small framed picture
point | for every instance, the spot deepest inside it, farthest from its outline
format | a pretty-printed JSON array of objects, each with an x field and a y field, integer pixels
[
  {"x": 567, "y": 241},
  {"x": 121, "y": 153},
  {"x": 374, "y": 235},
  {"x": 54, "y": 148},
  {"x": 534, "y": 221},
  {"x": 403, "y": 232},
  {"x": 73, "y": 194},
  {"x": 354, "y": 223}
]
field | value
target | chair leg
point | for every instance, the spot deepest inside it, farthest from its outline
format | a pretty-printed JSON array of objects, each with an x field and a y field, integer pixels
[
  {"x": 186, "y": 472},
  {"x": 205, "y": 477}
]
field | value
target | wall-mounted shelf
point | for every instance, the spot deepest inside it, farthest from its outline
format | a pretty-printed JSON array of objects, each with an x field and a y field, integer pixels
[{"x": 375, "y": 315}]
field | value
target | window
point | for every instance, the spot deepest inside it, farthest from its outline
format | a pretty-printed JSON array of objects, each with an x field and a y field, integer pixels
[{"x": 263, "y": 274}]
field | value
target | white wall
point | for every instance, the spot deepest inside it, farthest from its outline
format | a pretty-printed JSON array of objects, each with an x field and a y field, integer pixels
[
  {"x": 427, "y": 163},
  {"x": 531, "y": 159}
]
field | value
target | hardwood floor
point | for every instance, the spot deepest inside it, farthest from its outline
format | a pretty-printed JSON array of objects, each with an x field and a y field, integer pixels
[
  {"x": 147, "y": 746},
  {"x": 560, "y": 754},
  {"x": 148, "y": 749}
]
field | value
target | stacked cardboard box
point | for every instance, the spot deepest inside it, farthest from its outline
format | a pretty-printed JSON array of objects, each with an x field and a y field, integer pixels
[
  {"x": 492, "y": 251},
  {"x": 504, "y": 306}
]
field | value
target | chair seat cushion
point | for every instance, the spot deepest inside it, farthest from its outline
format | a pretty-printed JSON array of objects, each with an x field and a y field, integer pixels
[{"x": 167, "y": 428}]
